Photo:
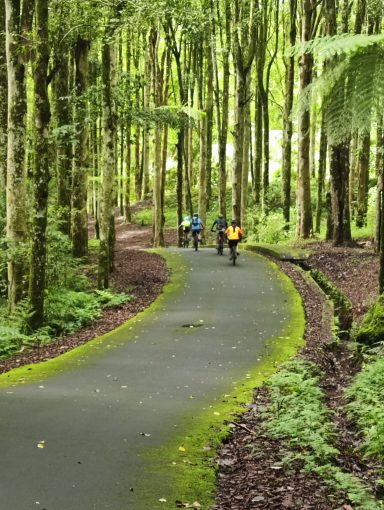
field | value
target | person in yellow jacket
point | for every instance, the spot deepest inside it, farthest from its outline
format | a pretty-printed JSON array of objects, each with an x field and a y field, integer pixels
[{"x": 234, "y": 235}]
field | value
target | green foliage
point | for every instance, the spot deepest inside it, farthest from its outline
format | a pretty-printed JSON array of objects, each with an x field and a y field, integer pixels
[
  {"x": 269, "y": 228},
  {"x": 367, "y": 406},
  {"x": 297, "y": 410},
  {"x": 298, "y": 416},
  {"x": 352, "y": 85},
  {"x": 371, "y": 330},
  {"x": 109, "y": 299},
  {"x": 67, "y": 310},
  {"x": 13, "y": 337}
]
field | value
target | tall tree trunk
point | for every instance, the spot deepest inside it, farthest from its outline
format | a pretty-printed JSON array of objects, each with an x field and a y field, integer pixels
[
  {"x": 380, "y": 182},
  {"x": 339, "y": 163},
  {"x": 127, "y": 182},
  {"x": 109, "y": 137},
  {"x": 79, "y": 228},
  {"x": 321, "y": 174},
  {"x": 63, "y": 119},
  {"x": 209, "y": 113},
  {"x": 245, "y": 175},
  {"x": 339, "y": 170},
  {"x": 137, "y": 138},
  {"x": 287, "y": 119},
  {"x": 304, "y": 209},
  {"x": 41, "y": 168},
  {"x": 258, "y": 154},
  {"x": 363, "y": 177},
  {"x": 238, "y": 136},
  {"x": 203, "y": 128},
  {"x": 157, "y": 179},
  {"x": 3, "y": 102},
  {"x": 222, "y": 110},
  {"x": 244, "y": 50},
  {"x": 17, "y": 106},
  {"x": 146, "y": 147}
]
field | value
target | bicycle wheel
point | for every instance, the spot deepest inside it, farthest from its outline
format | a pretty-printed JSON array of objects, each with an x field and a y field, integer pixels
[{"x": 195, "y": 242}]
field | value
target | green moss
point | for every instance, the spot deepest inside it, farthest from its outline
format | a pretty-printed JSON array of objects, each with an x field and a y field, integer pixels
[
  {"x": 372, "y": 327},
  {"x": 342, "y": 305},
  {"x": 84, "y": 354},
  {"x": 189, "y": 475}
]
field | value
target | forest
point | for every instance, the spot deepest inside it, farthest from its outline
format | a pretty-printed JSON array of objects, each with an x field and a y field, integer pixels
[{"x": 269, "y": 112}]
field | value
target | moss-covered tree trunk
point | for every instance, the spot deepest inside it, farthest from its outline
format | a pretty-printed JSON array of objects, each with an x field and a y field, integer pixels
[
  {"x": 244, "y": 49},
  {"x": 246, "y": 165},
  {"x": 287, "y": 117},
  {"x": 3, "y": 102},
  {"x": 363, "y": 177},
  {"x": 137, "y": 136},
  {"x": 79, "y": 229},
  {"x": 41, "y": 167},
  {"x": 223, "y": 106},
  {"x": 202, "y": 82},
  {"x": 258, "y": 150},
  {"x": 303, "y": 201},
  {"x": 16, "y": 24},
  {"x": 62, "y": 114},
  {"x": 380, "y": 182},
  {"x": 128, "y": 161},
  {"x": 154, "y": 39},
  {"x": 146, "y": 128},
  {"x": 338, "y": 161},
  {"x": 321, "y": 175},
  {"x": 108, "y": 159}
]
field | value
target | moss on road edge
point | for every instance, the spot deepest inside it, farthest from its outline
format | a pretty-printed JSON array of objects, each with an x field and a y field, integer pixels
[{"x": 187, "y": 463}]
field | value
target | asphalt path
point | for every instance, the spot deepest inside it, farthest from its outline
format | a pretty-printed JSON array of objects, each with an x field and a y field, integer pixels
[{"x": 75, "y": 441}]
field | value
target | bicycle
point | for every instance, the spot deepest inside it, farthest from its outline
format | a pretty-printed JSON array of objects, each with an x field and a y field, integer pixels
[
  {"x": 185, "y": 242},
  {"x": 195, "y": 240},
  {"x": 220, "y": 242},
  {"x": 234, "y": 255}
]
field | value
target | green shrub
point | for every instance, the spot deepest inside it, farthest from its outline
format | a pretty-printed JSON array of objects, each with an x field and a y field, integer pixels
[{"x": 372, "y": 327}]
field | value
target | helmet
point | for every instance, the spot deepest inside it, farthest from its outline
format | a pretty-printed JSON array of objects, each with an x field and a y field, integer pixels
[
  {"x": 195, "y": 215},
  {"x": 186, "y": 218},
  {"x": 221, "y": 215},
  {"x": 233, "y": 221}
]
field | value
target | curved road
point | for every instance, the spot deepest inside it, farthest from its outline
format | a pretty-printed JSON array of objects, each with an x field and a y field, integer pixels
[{"x": 74, "y": 441}]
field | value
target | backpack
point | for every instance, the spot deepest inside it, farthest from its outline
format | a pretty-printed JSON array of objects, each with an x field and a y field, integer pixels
[
  {"x": 221, "y": 223},
  {"x": 195, "y": 221}
]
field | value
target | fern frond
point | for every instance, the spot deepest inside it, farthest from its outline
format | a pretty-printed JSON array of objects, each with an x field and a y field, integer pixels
[{"x": 330, "y": 46}]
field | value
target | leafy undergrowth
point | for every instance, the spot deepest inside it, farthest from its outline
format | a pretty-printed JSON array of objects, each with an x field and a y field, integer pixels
[
  {"x": 66, "y": 311},
  {"x": 367, "y": 404},
  {"x": 71, "y": 299},
  {"x": 298, "y": 416}
]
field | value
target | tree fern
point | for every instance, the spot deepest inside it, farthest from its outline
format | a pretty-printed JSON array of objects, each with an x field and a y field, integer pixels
[{"x": 351, "y": 88}]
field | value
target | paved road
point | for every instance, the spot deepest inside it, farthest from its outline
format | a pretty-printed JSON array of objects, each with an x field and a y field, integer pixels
[{"x": 75, "y": 440}]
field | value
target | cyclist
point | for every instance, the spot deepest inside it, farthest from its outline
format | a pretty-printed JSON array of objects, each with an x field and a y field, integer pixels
[
  {"x": 234, "y": 235},
  {"x": 221, "y": 226},
  {"x": 196, "y": 226},
  {"x": 186, "y": 225}
]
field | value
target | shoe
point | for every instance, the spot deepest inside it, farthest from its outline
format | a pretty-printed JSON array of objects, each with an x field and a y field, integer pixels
[{"x": 238, "y": 254}]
